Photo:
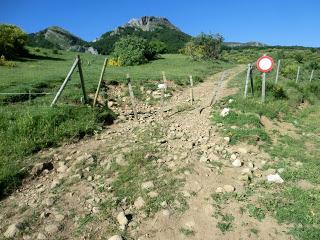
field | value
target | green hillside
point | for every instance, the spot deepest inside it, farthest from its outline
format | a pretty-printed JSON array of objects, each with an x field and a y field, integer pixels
[
  {"x": 56, "y": 37},
  {"x": 151, "y": 29}
]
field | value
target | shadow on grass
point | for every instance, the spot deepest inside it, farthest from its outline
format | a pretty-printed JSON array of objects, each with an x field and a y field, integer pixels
[
  {"x": 33, "y": 57},
  {"x": 11, "y": 183}
]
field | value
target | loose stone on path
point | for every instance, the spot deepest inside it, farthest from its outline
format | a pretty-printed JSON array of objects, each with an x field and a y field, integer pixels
[
  {"x": 147, "y": 185},
  {"x": 122, "y": 220},
  {"x": 115, "y": 237},
  {"x": 237, "y": 163},
  {"x": 13, "y": 230},
  {"x": 139, "y": 203}
]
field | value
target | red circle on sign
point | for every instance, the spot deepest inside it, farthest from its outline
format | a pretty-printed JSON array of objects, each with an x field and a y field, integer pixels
[{"x": 265, "y": 64}]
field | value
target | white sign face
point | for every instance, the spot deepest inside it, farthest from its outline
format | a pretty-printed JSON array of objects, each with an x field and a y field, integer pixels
[{"x": 265, "y": 64}]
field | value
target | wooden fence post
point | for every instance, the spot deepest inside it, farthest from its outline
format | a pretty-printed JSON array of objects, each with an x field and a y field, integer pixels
[
  {"x": 132, "y": 98},
  {"x": 65, "y": 82},
  {"x": 164, "y": 78},
  {"x": 311, "y": 76},
  {"x": 251, "y": 80},
  {"x": 278, "y": 70},
  {"x": 82, "y": 81},
  {"x": 247, "y": 81},
  {"x": 162, "y": 98},
  {"x": 263, "y": 93},
  {"x": 298, "y": 74},
  {"x": 191, "y": 89},
  {"x": 100, "y": 80}
]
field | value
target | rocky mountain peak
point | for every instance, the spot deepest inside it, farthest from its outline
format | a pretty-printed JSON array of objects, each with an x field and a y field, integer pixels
[{"x": 150, "y": 23}]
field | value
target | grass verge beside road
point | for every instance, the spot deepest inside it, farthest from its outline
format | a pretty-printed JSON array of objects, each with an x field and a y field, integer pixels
[{"x": 294, "y": 150}]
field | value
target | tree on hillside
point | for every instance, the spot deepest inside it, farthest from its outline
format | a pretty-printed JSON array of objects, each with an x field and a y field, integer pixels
[
  {"x": 132, "y": 50},
  {"x": 204, "y": 47},
  {"x": 158, "y": 46},
  {"x": 12, "y": 41}
]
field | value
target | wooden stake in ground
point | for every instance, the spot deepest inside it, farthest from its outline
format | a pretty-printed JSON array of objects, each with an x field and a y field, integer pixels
[
  {"x": 162, "y": 97},
  {"x": 76, "y": 61},
  {"x": 132, "y": 98},
  {"x": 311, "y": 76},
  {"x": 82, "y": 81},
  {"x": 278, "y": 70},
  {"x": 191, "y": 90},
  {"x": 298, "y": 74},
  {"x": 251, "y": 80},
  {"x": 247, "y": 81},
  {"x": 263, "y": 93},
  {"x": 100, "y": 80},
  {"x": 164, "y": 78}
]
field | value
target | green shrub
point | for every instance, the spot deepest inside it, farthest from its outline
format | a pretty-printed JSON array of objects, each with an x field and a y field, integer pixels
[
  {"x": 278, "y": 92},
  {"x": 313, "y": 65},
  {"x": 299, "y": 57},
  {"x": 55, "y": 51},
  {"x": 5, "y": 62},
  {"x": 204, "y": 47},
  {"x": 158, "y": 46},
  {"x": 289, "y": 70},
  {"x": 12, "y": 41},
  {"x": 313, "y": 88},
  {"x": 133, "y": 50}
]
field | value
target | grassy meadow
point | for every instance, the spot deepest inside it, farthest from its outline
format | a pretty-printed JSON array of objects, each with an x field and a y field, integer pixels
[
  {"x": 296, "y": 202},
  {"x": 46, "y": 72},
  {"x": 29, "y": 124}
]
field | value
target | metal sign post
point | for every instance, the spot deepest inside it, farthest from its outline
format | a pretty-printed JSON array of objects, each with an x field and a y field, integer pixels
[{"x": 264, "y": 65}]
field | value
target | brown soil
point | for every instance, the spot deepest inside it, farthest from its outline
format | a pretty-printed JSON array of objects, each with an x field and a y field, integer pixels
[
  {"x": 201, "y": 181},
  {"x": 283, "y": 128}
]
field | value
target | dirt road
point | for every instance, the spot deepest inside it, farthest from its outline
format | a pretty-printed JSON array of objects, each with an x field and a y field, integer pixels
[{"x": 69, "y": 201}]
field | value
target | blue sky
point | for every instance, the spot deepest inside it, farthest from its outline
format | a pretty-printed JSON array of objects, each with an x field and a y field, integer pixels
[{"x": 273, "y": 22}]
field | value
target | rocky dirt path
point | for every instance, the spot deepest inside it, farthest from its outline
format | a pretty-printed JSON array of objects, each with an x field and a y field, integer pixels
[
  {"x": 93, "y": 189},
  {"x": 210, "y": 172}
]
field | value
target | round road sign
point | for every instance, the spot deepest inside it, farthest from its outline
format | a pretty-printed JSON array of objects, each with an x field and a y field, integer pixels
[{"x": 265, "y": 64}]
